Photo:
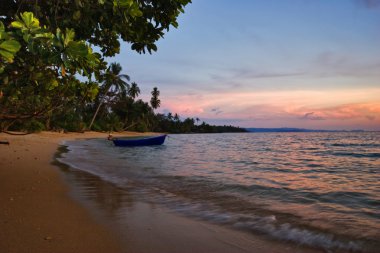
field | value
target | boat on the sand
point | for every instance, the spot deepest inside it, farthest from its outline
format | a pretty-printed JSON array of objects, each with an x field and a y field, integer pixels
[{"x": 139, "y": 141}]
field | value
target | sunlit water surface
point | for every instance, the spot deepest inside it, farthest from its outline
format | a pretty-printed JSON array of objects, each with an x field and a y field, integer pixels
[{"x": 317, "y": 189}]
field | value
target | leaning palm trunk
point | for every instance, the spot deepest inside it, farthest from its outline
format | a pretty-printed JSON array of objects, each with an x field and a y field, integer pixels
[
  {"x": 130, "y": 126},
  {"x": 100, "y": 104},
  {"x": 96, "y": 113},
  {"x": 112, "y": 78}
]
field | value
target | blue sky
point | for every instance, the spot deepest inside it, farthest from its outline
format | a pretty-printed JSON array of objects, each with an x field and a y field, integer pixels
[{"x": 272, "y": 63}]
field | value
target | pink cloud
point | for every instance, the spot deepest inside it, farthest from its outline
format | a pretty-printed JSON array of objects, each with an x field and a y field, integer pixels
[
  {"x": 358, "y": 108},
  {"x": 369, "y": 111}
]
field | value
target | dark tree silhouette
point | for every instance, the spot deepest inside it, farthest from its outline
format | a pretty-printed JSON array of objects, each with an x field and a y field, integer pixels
[
  {"x": 113, "y": 81},
  {"x": 155, "y": 102}
]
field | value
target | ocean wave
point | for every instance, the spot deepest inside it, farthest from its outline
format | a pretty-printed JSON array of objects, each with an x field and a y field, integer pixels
[
  {"x": 357, "y": 155},
  {"x": 269, "y": 225},
  {"x": 370, "y": 145},
  {"x": 301, "y": 236}
]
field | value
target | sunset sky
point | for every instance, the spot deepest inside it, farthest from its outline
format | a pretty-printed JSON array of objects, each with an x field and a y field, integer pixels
[{"x": 274, "y": 63}]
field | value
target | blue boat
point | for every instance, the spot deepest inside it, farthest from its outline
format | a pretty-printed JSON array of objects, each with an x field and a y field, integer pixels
[{"x": 139, "y": 141}]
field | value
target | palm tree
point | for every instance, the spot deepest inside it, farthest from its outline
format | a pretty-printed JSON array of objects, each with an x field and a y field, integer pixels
[
  {"x": 176, "y": 117},
  {"x": 154, "y": 101},
  {"x": 134, "y": 90},
  {"x": 113, "y": 80}
]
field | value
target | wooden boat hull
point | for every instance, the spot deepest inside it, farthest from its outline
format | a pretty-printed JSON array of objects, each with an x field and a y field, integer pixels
[{"x": 143, "y": 141}]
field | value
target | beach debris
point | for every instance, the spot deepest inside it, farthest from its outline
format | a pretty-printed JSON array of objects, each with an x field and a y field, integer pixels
[{"x": 4, "y": 142}]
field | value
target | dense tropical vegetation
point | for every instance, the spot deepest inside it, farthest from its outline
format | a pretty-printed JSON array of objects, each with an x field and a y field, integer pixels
[
  {"x": 173, "y": 124},
  {"x": 51, "y": 79}
]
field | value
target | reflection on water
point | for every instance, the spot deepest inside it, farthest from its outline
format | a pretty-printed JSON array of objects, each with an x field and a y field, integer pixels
[
  {"x": 318, "y": 189},
  {"x": 97, "y": 193}
]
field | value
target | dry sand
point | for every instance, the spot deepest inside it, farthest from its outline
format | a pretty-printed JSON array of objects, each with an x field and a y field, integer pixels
[{"x": 37, "y": 214}]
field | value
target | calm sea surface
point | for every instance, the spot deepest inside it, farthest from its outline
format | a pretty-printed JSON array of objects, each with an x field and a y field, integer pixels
[{"x": 316, "y": 189}]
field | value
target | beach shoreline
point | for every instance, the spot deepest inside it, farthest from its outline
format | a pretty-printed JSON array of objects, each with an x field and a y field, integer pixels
[{"x": 39, "y": 215}]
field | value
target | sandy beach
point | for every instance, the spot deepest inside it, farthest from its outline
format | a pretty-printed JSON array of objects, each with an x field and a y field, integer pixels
[{"x": 38, "y": 215}]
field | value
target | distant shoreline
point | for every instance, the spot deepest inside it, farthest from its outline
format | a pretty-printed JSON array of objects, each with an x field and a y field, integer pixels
[{"x": 300, "y": 130}]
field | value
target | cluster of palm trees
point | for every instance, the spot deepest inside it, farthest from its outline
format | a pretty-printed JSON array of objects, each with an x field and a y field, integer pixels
[
  {"x": 121, "y": 110},
  {"x": 116, "y": 89}
]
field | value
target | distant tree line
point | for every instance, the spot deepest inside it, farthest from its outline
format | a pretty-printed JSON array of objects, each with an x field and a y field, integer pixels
[{"x": 173, "y": 124}]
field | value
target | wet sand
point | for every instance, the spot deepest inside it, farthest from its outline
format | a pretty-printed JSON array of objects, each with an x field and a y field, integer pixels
[
  {"x": 41, "y": 212},
  {"x": 36, "y": 213}
]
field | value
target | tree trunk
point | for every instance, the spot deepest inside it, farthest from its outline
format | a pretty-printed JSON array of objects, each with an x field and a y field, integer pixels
[{"x": 96, "y": 113}]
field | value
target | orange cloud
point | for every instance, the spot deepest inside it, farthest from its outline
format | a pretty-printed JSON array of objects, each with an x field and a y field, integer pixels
[
  {"x": 290, "y": 107},
  {"x": 370, "y": 111}
]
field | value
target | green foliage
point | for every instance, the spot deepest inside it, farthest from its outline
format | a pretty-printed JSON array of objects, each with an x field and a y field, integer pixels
[
  {"x": 102, "y": 23},
  {"x": 113, "y": 82},
  {"x": 30, "y": 126},
  {"x": 141, "y": 127},
  {"x": 32, "y": 84},
  {"x": 8, "y": 47},
  {"x": 118, "y": 111},
  {"x": 26, "y": 22},
  {"x": 45, "y": 45},
  {"x": 34, "y": 126},
  {"x": 39, "y": 65}
]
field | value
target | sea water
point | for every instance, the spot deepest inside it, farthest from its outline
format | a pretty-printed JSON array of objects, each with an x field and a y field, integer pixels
[{"x": 321, "y": 190}]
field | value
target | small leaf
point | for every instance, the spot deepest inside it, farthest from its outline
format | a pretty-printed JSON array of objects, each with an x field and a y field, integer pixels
[
  {"x": 5, "y": 80},
  {"x": 29, "y": 20},
  {"x": 63, "y": 70},
  {"x": 3, "y": 35},
  {"x": 76, "y": 15},
  {"x": 17, "y": 24},
  {"x": 123, "y": 3},
  {"x": 26, "y": 37},
  {"x": 57, "y": 43},
  {"x": 77, "y": 49},
  {"x": 135, "y": 12},
  {"x": 153, "y": 47},
  {"x": 10, "y": 45},
  {"x": 7, "y": 55},
  {"x": 69, "y": 37},
  {"x": 46, "y": 35},
  {"x": 54, "y": 84}
]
